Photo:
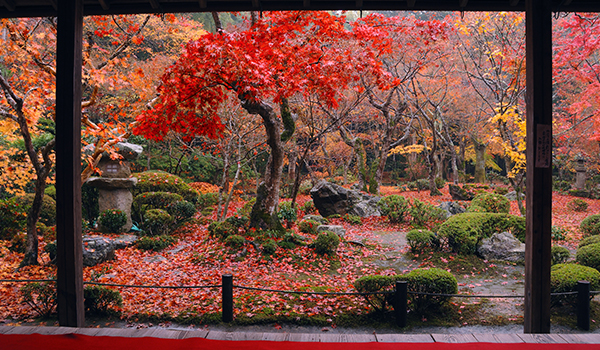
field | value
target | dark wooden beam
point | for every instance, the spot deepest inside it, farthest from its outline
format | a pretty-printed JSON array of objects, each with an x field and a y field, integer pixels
[
  {"x": 539, "y": 166},
  {"x": 69, "y": 258},
  {"x": 9, "y": 4}
]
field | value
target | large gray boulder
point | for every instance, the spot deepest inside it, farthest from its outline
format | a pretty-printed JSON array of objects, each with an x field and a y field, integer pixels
[
  {"x": 337, "y": 229},
  {"x": 502, "y": 246},
  {"x": 452, "y": 208},
  {"x": 98, "y": 249},
  {"x": 512, "y": 196},
  {"x": 333, "y": 199}
]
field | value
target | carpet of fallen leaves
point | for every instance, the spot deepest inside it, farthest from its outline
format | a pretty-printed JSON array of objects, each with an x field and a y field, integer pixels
[{"x": 200, "y": 260}]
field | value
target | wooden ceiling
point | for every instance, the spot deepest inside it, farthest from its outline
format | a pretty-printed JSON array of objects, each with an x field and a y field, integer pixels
[{"x": 36, "y": 8}]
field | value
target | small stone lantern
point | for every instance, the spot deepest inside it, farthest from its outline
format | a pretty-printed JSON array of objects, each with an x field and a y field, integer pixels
[
  {"x": 580, "y": 175},
  {"x": 115, "y": 183}
]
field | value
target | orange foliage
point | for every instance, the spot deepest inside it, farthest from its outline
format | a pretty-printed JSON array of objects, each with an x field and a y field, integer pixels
[{"x": 204, "y": 187}]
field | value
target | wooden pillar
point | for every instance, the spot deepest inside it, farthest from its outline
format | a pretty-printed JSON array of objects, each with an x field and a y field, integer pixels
[
  {"x": 539, "y": 166},
  {"x": 69, "y": 259}
]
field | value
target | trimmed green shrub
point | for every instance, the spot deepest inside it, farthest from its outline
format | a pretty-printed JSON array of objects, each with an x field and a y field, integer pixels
[
  {"x": 111, "y": 220},
  {"x": 40, "y": 296},
  {"x": 492, "y": 202},
  {"x": 235, "y": 241},
  {"x": 590, "y": 225},
  {"x": 152, "y": 200},
  {"x": 308, "y": 226},
  {"x": 373, "y": 284},
  {"x": 222, "y": 230},
  {"x": 50, "y": 191},
  {"x": 290, "y": 241},
  {"x": 501, "y": 190},
  {"x": 589, "y": 240},
  {"x": 159, "y": 181},
  {"x": 589, "y": 255},
  {"x": 156, "y": 244},
  {"x": 156, "y": 222},
  {"x": 560, "y": 255},
  {"x": 578, "y": 205},
  {"x": 476, "y": 209},
  {"x": 431, "y": 280},
  {"x": 13, "y": 218},
  {"x": 327, "y": 242},
  {"x": 48, "y": 212},
  {"x": 98, "y": 299},
  {"x": 564, "y": 278},
  {"x": 426, "y": 215},
  {"x": 558, "y": 233},
  {"x": 206, "y": 200},
  {"x": 352, "y": 219},
  {"x": 462, "y": 233},
  {"x": 420, "y": 240},
  {"x": 395, "y": 207},
  {"x": 181, "y": 211},
  {"x": 561, "y": 185},
  {"x": 269, "y": 247},
  {"x": 309, "y": 207}
]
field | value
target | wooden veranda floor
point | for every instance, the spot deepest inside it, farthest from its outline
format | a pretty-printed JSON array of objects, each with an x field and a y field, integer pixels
[{"x": 314, "y": 337}]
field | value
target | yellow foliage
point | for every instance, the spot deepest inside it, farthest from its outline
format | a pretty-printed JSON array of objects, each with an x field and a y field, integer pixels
[
  {"x": 406, "y": 149},
  {"x": 508, "y": 119}
]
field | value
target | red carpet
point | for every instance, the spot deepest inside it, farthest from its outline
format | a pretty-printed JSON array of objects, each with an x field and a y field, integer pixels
[{"x": 83, "y": 342}]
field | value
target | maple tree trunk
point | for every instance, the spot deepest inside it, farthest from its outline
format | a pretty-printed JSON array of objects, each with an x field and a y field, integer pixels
[
  {"x": 480, "y": 148},
  {"x": 264, "y": 211}
]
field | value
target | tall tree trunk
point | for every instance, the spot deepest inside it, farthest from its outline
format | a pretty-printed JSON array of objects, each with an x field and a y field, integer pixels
[
  {"x": 480, "y": 149},
  {"x": 264, "y": 211},
  {"x": 361, "y": 157}
]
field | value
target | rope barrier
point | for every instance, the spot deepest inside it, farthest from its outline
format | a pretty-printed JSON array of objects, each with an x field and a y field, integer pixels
[{"x": 309, "y": 293}]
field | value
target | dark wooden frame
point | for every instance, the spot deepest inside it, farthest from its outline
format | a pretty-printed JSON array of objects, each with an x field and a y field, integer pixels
[{"x": 68, "y": 109}]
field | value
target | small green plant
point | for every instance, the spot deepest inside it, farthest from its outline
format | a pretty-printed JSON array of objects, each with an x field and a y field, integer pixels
[
  {"x": 492, "y": 202},
  {"x": 440, "y": 183},
  {"x": 181, "y": 211},
  {"x": 40, "y": 296},
  {"x": 561, "y": 185},
  {"x": 269, "y": 247},
  {"x": 426, "y": 215},
  {"x": 290, "y": 241},
  {"x": 98, "y": 299},
  {"x": 112, "y": 220},
  {"x": 559, "y": 233},
  {"x": 589, "y": 255},
  {"x": 308, "y": 226},
  {"x": 578, "y": 205},
  {"x": 374, "y": 284},
  {"x": 327, "y": 242},
  {"x": 309, "y": 207},
  {"x": 501, "y": 190},
  {"x": 207, "y": 200},
  {"x": 235, "y": 241},
  {"x": 222, "y": 230},
  {"x": 352, "y": 219},
  {"x": 287, "y": 213},
  {"x": 156, "y": 222},
  {"x": 560, "y": 254},
  {"x": 590, "y": 225},
  {"x": 420, "y": 240},
  {"x": 156, "y": 244},
  {"x": 395, "y": 207}
]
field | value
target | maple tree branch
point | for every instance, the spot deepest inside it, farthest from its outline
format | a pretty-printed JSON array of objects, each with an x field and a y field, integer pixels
[{"x": 125, "y": 44}]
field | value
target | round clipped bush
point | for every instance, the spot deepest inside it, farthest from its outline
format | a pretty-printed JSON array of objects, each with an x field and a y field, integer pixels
[
  {"x": 13, "y": 218},
  {"x": 589, "y": 255},
  {"x": 590, "y": 225},
  {"x": 222, "y": 230},
  {"x": 560, "y": 254},
  {"x": 181, "y": 211},
  {"x": 373, "y": 284},
  {"x": 420, "y": 240},
  {"x": 492, "y": 202},
  {"x": 156, "y": 222},
  {"x": 589, "y": 240},
  {"x": 327, "y": 242},
  {"x": 578, "y": 205},
  {"x": 308, "y": 226},
  {"x": 564, "y": 277},
  {"x": 152, "y": 200},
  {"x": 476, "y": 209},
  {"x": 426, "y": 215},
  {"x": 98, "y": 299},
  {"x": 48, "y": 212},
  {"x": 431, "y": 280},
  {"x": 111, "y": 220},
  {"x": 395, "y": 207},
  {"x": 156, "y": 243},
  {"x": 50, "y": 191},
  {"x": 159, "y": 181},
  {"x": 235, "y": 241},
  {"x": 269, "y": 247}
]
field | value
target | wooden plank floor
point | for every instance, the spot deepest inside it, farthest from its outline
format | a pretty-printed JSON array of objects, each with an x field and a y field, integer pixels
[{"x": 313, "y": 337}]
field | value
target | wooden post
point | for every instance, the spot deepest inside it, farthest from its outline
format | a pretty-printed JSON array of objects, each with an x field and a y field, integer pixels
[
  {"x": 227, "y": 298},
  {"x": 539, "y": 166},
  {"x": 400, "y": 301},
  {"x": 583, "y": 305},
  {"x": 69, "y": 258}
]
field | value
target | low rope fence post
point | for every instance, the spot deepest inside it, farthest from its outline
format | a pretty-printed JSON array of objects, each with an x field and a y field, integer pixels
[
  {"x": 583, "y": 305},
  {"x": 400, "y": 301},
  {"x": 227, "y": 298}
]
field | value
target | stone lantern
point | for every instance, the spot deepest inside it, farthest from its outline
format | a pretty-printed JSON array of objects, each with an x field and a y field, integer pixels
[
  {"x": 580, "y": 175},
  {"x": 115, "y": 183}
]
